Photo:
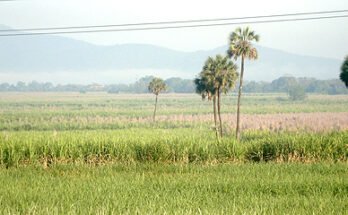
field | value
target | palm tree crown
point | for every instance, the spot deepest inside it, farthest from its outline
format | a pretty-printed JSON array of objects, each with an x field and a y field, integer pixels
[
  {"x": 217, "y": 74},
  {"x": 226, "y": 74},
  {"x": 157, "y": 85},
  {"x": 240, "y": 44}
]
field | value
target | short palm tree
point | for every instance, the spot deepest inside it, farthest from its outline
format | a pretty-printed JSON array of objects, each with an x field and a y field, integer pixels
[
  {"x": 206, "y": 88},
  {"x": 240, "y": 47},
  {"x": 156, "y": 86},
  {"x": 218, "y": 76},
  {"x": 226, "y": 75}
]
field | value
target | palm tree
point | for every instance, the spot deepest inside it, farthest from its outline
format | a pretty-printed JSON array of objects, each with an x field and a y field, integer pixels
[
  {"x": 240, "y": 46},
  {"x": 218, "y": 76},
  {"x": 344, "y": 72},
  {"x": 156, "y": 86},
  {"x": 205, "y": 87},
  {"x": 226, "y": 75}
]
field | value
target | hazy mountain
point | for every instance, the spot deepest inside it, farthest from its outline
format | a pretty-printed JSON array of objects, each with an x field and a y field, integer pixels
[{"x": 33, "y": 56}]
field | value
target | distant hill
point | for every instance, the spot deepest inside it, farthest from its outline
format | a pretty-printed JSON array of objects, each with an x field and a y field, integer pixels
[{"x": 32, "y": 55}]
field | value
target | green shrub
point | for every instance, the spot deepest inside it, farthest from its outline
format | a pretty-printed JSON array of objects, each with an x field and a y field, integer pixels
[{"x": 297, "y": 92}]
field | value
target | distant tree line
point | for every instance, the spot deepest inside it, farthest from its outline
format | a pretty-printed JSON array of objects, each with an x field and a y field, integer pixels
[
  {"x": 174, "y": 85},
  {"x": 178, "y": 85},
  {"x": 286, "y": 83}
]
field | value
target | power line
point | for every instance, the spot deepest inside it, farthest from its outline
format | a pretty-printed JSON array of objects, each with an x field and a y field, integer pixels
[
  {"x": 175, "y": 22},
  {"x": 177, "y": 27}
]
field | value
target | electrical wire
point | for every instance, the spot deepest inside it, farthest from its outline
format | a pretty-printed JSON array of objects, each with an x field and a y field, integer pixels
[
  {"x": 176, "y": 27},
  {"x": 175, "y": 22}
]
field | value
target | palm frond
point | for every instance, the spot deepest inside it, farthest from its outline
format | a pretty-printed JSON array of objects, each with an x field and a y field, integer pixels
[{"x": 157, "y": 85}]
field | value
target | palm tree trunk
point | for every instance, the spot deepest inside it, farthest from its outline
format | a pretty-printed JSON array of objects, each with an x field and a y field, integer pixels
[
  {"x": 154, "y": 113},
  {"x": 239, "y": 98},
  {"x": 215, "y": 118},
  {"x": 219, "y": 106}
]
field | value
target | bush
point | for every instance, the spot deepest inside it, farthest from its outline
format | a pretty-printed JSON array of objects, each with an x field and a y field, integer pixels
[{"x": 297, "y": 92}]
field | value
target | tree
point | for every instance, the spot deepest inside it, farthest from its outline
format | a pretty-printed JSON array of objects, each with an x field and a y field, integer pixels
[
  {"x": 20, "y": 86},
  {"x": 226, "y": 75},
  {"x": 141, "y": 85},
  {"x": 218, "y": 76},
  {"x": 156, "y": 86},
  {"x": 283, "y": 84},
  {"x": 240, "y": 46},
  {"x": 205, "y": 86},
  {"x": 297, "y": 92},
  {"x": 4, "y": 86},
  {"x": 344, "y": 71},
  {"x": 179, "y": 85}
]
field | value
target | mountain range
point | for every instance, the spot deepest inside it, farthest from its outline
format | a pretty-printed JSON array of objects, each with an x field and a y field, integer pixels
[{"x": 32, "y": 56}]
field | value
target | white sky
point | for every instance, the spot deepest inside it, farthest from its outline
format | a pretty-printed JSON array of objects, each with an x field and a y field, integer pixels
[{"x": 327, "y": 38}]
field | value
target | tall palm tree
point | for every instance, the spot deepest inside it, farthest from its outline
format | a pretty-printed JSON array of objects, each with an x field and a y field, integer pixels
[
  {"x": 156, "y": 86},
  {"x": 240, "y": 47}
]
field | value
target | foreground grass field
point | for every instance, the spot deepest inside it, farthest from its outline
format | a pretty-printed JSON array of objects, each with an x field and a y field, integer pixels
[
  {"x": 96, "y": 153},
  {"x": 176, "y": 189}
]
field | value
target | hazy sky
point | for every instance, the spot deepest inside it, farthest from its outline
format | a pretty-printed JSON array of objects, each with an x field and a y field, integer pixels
[{"x": 328, "y": 38}]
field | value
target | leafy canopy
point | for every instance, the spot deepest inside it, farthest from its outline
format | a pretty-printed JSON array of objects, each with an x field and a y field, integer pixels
[
  {"x": 240, "y": 44},
  {"x": 218, "y": 74},
  {"x": 297, "y": 92},
  {"x": 157, "y": 85},
  {"x": 344, "y": 72}
]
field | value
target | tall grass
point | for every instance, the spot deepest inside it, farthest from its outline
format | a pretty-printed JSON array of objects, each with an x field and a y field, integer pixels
[{"x": 175, "y": 146}]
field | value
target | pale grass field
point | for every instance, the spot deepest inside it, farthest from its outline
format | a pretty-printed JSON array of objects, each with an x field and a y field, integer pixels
[
  {"x": 270, "y": 112},
  {"x": 315, "y": 122}
]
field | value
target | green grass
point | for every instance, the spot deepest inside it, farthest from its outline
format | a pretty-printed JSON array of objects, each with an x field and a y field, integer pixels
[
  {"x": 168, "y": 146},
  {"x": 44, "y": 106},
  {"x": 176, "y": 189},
  {"x": 61, "y": 154}
]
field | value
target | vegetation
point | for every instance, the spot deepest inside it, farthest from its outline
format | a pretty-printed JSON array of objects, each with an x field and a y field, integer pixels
[
  {"x": 161, "y": 146},
  {"x": 344, "y": 72},
  {"x": 178, "y": 85},
  {"x": 176, "y": 189},
  {"x": 296, "y": 92},
  {"x": 205, "y": 87},
  {"x": 156, "y": 86},
  {"x": 225, "y": 77},
  {"x": 99, "y": 153},
  {"x": 82, "y": 127},
  {"x": 240, "y": 47},
  {"x": 64, "y": 111},
  {"x": 217, "y": 77}
]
